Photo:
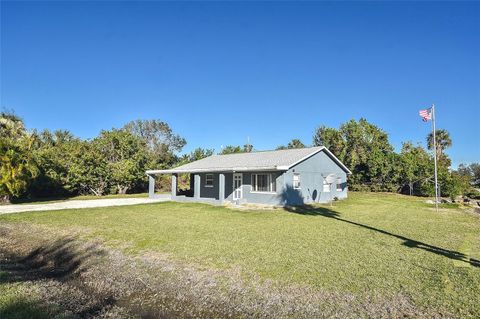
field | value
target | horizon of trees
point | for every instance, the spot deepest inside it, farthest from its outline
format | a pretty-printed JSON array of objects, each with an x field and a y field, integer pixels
[
  {"x": 56, "y": 163},
  {"x": 366, "y": 150}
]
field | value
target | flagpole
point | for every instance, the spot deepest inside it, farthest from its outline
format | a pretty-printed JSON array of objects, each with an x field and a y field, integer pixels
[{"x": 435, "y": 155}]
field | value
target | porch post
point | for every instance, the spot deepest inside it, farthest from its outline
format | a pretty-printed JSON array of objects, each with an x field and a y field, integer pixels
[
  {"x": 174, "y": 185},
  {"x": 196, "y": 186},
  {"x": 151, "y": 186},
  {"x": 221, "y": 187}
]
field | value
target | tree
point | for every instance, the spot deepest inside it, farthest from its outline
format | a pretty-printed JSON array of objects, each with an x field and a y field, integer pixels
[
  {"x": 58, "y": 137},
  {"x": 88, "y": 170},
  {"x": 448, "y": 184},
  {"x": 471, "y": 171},
  {"x": 330, "y": 138},
  {"x": 50, "y": 163},
  {"x": 365, "y": 149},
  {"x": 159, "y": 138},
  {"x": 295, "y": 143},
  {"x": 11, "y": 126},
  {"x": 453, "y": 184},
  {"x": 199, "y": 153},
  {"x": 247, "y": 148},
  {"x": 94, "y": 167},
  {"x": 415, "y": 168},
  {"x": 125, "y": 156},
  {"x": 442, "y": 139},
  {"x": 17, "y": 166},
  {"x": 53, "y": 155},
  {"x": 475, "y": 173},
  {"x": 230, "y": 149}
]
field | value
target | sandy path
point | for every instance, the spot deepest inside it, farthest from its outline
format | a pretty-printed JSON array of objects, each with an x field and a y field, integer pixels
[{"x": 75, "y": 204}]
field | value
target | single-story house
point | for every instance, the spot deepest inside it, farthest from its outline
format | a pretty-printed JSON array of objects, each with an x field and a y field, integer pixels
[{"x": 281, "y": 177}]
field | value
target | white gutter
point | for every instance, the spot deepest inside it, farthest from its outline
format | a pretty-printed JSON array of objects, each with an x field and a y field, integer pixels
[{"x": 206, "y": 170}]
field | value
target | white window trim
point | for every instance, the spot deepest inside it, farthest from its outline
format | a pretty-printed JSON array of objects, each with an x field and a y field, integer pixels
[
  {"x": 326, "y": 184},
  {"x": 339, "y": 185},
  {"x": 272, "y": 182},
  {"x": 299, "y": 182},
  {"x": 206, "y": 179}
]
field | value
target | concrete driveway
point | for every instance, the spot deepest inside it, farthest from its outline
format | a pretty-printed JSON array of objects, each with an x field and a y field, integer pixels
[{"x": 71, "y": 204}]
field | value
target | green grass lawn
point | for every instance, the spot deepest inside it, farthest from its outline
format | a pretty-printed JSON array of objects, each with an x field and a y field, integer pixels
[{"x": 371, "y": 242}]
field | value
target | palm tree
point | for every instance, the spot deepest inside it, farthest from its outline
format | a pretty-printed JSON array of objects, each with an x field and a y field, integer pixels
[
  {"x": 295, "y": 143},
  {"x": 11, "y": 126},
  {"x": 17, "y": 166},
  {"x": 443, "y": 141},
  {"x": 248, "y": 148},
  {"x": 63, "y": 136}
]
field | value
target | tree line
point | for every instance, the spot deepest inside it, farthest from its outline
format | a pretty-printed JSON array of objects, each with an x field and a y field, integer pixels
[
  {"x": 57, "y": 163},
  {"x": 366, "y": 150}
]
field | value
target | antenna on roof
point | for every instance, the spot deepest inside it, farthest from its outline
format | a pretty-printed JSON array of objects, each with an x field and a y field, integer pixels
[{"x": 248, "y": 147}]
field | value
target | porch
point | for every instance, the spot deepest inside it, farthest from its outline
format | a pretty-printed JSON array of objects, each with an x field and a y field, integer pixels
[{"x": 204, "y": 187}]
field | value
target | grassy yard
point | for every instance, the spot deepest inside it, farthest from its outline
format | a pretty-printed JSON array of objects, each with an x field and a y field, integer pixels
[{"x": 368, "y": 246}]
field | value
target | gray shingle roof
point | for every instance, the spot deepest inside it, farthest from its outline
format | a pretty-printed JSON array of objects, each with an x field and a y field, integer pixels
[{"x": 254, "y": 161}]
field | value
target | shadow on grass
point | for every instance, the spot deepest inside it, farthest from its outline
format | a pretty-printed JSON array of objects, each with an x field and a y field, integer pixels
[
  {"x": 23, "y": 308},
  {"x": 411, "y": 243},
  {"x": 60, "y": 260}
]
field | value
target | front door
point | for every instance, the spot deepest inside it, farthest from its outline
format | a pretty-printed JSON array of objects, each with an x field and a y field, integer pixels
[{"x": 237, "y": 186}]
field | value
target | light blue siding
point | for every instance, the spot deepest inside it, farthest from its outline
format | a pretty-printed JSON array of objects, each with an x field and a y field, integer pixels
[
  {"x": 312, "y": 172},
  {"x": 255, "y": 197}
]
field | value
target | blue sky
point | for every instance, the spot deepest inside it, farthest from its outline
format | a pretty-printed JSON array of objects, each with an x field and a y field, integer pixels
[{"x": 218, "y": 72}]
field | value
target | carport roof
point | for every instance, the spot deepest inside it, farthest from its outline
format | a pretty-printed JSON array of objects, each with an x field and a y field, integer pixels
[{"x": 279, "y": 160}]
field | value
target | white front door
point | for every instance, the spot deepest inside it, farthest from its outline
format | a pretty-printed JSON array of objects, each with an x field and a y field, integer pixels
[{"x": 237, "y": 185}]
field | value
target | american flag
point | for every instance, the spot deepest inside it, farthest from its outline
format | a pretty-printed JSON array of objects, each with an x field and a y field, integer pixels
[{"x": 426, "y": 114}]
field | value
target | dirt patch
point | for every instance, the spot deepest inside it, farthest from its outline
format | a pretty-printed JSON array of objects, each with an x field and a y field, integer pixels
[{"x": 73, "y": 278}]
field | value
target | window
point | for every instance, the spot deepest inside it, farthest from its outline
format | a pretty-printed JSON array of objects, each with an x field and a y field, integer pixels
[
  {"x": 296, "y": 181},
  {"x": 339, "y": 184},
  {"x": 263, "y": 183},
  {"x": 209, "y": 180},
  {"x": 326, "y": 187}
]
